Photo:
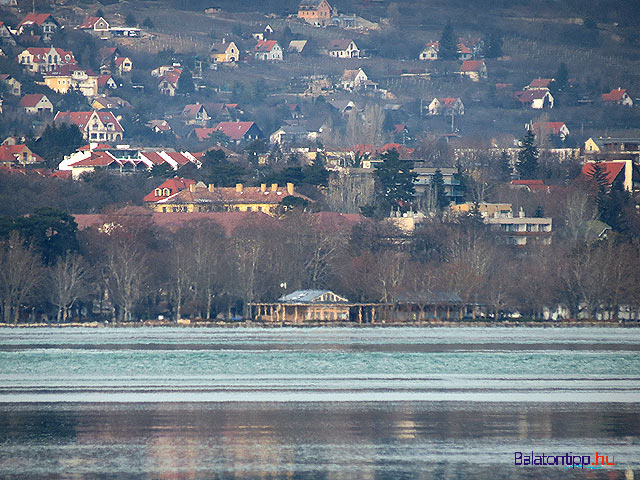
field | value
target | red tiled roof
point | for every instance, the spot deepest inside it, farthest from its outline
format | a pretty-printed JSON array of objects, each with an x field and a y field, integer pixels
[
  {"x": 154, "y": 157},
  {"x": 204, "y": 133},
  {"x": 96, "y": 159},
  {"x": 435, "y": 44},
  {"x": 230, "y": 195},
  {"x": 120, "y": 60},
  {"x": 191, "y": 110},
  {"x": 172, "y": 76},
  {"x": 234, "y": 130},
  {"x": 37, "y": 18},
  {"x": 89, "y": 22},
  {"x": 462, "y": 48},
  {"x": 532, "y": 185},
  {"x": 471, "y": 65},
  {"x": 399, "y": 128},
  {"x": 540, "y": 83},
  {"x": 448, "y": 101},
  {"x": 40, "y": 54},
  {"x": 9, "y": 153},
  {"x": 96, "y": 146},
  {"x": 553, "y": 127},
  {"x": 612, "y": 169},
  {"x": 103, "y": 79},
  {"x": 175, "y": 185},
  {"x": 82, "y": 118},
  {"x": 264, "y": 45},
  {"x": 31, "y": 99},
  {"x": 614, "y": 95}
]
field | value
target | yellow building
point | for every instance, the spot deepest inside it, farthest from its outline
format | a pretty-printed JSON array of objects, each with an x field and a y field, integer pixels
[
  {"x": 225, "y": 52},
  {"x": 202, "y": 198},
  {"x": 70, "y": 76},
  {"x": 485, "y": 209}
]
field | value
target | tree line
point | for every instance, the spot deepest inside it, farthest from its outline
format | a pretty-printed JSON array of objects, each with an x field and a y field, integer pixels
[{"x": 130, "y": 269}]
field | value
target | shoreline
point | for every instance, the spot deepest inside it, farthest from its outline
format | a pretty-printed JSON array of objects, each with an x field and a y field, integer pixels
[{"x": 333, "y": 324}]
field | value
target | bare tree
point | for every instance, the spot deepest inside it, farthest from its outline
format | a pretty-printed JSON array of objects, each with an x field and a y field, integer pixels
[
  {"x": 125, "y": 273},
  {"x": 69, "y": 279},
  {"x": 20, "y": 274}
]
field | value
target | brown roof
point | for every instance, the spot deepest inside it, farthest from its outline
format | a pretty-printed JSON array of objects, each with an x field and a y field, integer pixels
[{"x": 226, "y": 195}]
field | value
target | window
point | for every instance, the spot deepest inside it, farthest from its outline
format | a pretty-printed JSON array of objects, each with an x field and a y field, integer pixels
[
  {"x": 158, "y": 192},
  {"x": 166, "y": 192}
]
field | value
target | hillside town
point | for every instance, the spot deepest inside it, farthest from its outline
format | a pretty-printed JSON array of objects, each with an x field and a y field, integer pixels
[{"x": 343, "y": 161}]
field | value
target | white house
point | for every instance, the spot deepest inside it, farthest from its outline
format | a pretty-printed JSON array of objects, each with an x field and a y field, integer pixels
[
  {"x": 343, "y": 48},
  {"x": 268, "y": 50},
  {"x": 441, "y": 106}
]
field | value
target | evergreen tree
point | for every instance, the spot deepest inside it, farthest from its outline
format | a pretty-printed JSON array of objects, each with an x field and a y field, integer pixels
[
  {"x": 396, "y": 182},
  {"x": 528, "y": 157},
  {"x": 147, "y": 23},
  {"x": 130, "y": 20},
  {"x": 494, "y": 46},
  {"x": 185, "y": 82},
  {"x": 505, "y": 167},
  {"x": 448, "y": 44},
  {"x": 438, "y": 190},
  {"x": 56, "y": 142},
  {"x": 611, "y": 200}
]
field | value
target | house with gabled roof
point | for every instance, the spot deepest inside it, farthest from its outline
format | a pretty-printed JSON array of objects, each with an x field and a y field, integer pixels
[
  {"x": 622, "y": 171},
  {"x": 464, "y": 52},
  {"x": 65, "y": 77},
  {"x": 544, "y": 129},
  {"x": 195, "y": 114},
  {"x": 14, "y": 86},
  {"x": 352, "y": 80},
  {"x": 168, "y": 82},
  {"x": 159, "y": 126},
  {"x": 12, "y": 155},
  {"x": 612, "y": 147},
  {"x": 95, "y": 126},
  {"x": 315, "y": 12},
  {"x": 169, "y": 187},
  {"x": 618, "y": 96},
  {"x": 36, "y": 103},
  {"x": 267, "y": 50},
  {"x": 123, "y": 65},
  {"x": 474, "y": 69},
  {"x": 539, "y": 84},
  {"x": 6, "y": 37},
  {"x": 45, "y": 59},
  {"x": 224, "y": 52},
  {"x": 343, "y": 48},
  {"x": 239, "y": 131},
  {"x": 447, "y": 105},
  {"x": 42, "y": 24},
  {"x": 106, "y": 81},
  {"x": 109, "y": 103},
  {"x": 96, "y": 25},
  {"x": 536, "y": 99},
  {"x": 430, "y": 51}
]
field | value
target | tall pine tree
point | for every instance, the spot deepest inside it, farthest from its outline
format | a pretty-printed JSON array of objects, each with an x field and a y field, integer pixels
[
  {"x": 396, "y": 182},
  {"x": 528, "y": 157},
  {"x": 448, "y": 44}
]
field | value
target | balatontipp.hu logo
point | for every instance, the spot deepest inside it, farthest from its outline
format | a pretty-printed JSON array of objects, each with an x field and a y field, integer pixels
[{"x": 568, "y": 460}]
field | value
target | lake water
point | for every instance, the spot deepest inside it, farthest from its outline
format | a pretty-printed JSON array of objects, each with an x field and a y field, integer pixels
[{"x": 441, "y": 403}]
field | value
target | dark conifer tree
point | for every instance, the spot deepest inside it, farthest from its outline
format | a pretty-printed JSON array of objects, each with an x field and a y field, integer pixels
[
  {"x": 528, "y": 157},
  {"x": 448, "y": 44}
]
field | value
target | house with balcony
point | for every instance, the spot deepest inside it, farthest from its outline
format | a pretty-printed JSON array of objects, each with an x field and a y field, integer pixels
[
  {"x": 67, "y": 77},
  {"x": 424, "y": 180},
  {"x": 44, "y": 59},
  {"x": 42, "y": 24},
  {"x": 522, "y": 230},
  {"x": 95, "y": 126}
]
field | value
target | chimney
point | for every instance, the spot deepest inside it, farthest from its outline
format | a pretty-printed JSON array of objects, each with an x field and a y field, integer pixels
[
  {"x": 239, "y": 187},
  {"x": 212, "y": 187},
  {"x": 290, "y": 189},
  {"x": 521, "y": 213},
  {"x": 263, "y": 187},
  {"x": 192, "y": 187},
  {"x": 274, "y": 187}
]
